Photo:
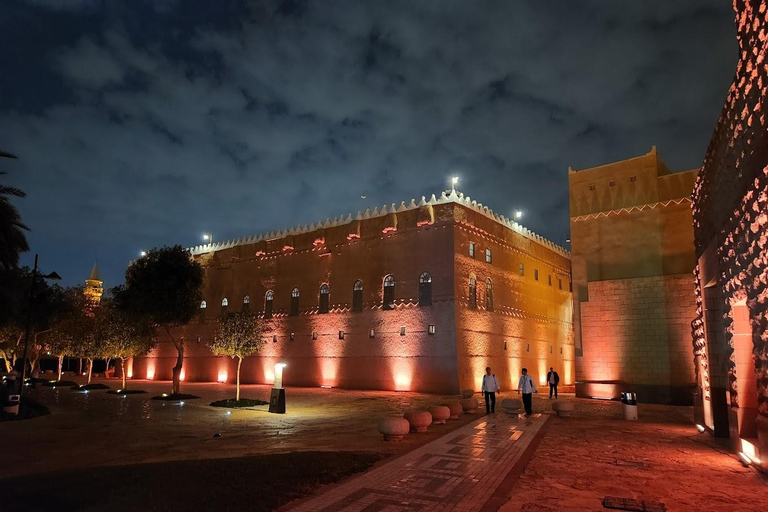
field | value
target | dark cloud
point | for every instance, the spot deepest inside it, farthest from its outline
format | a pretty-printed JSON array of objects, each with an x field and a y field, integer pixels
[{"x": 147, "y": 123}]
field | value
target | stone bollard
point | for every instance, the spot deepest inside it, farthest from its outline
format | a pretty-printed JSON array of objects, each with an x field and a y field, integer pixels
[
  {"x": 467, "y": 393},
  {"x": 394, "y": 428},
  {"x": 455, "y": 409},
  {"x": 469, "y": 405},
  {"x": 439, "y": 413},
  {"x": 419, "y": 420},
  {"x": 563, "y": 409},
  {"x": 511, "y": 405}
]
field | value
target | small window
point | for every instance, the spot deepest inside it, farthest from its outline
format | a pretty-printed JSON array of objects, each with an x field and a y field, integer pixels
[
  {"x": 505, "y": 345},
  {"x": 357, "y": 296},
  {"x": 246, "y": 303},
  {"x": 472, "y": 291},
  {"x": 425, "y": 289},
  {"x": 274, "y": 338},
  {"x": 224, "y": 302},
  {"x": 295, "y": 302},
  {"x": 341, "y": 335},
  {"x": 389, "y": 293},
  {"x": 203, "y": 305},
  {"x": 268, "y": 300},
  {"x": 293, "y": 336},
  {"x": 488, "y": 294},
  {"x": 560, "y": 283},
  {"x": 372, "y": 333},
  {"x": 522, "y": 269},
  {"x": 632, "y": 179},
  {"x": 431, "y": 330},
  {"x": 402, "y": 330},
  {"x": 325, "y": 293},
  {"x": 612, "y": 183},
  {"x": 488, "y": 256},
  {"x": 549, "y": 279},
  {"x": 592, "y": 187},
  {"x": 471, "y": 249},
  {"x": 314, "y": 335},
  {"x": 536, "y": 274}
]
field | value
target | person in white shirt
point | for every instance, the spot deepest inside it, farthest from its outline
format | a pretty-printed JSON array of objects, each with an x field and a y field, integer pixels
[
  {"x": 527, "y": 386},
  {"x": 490, "y": 388}
]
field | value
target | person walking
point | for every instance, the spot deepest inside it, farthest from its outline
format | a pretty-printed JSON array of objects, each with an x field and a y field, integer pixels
[
  {"x": 553, "y": 379},
  {"x": 527, "y": 387},
  {"x": 490, "y": 388}
]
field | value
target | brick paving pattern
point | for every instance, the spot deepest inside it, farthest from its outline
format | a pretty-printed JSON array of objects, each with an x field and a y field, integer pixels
[{"x": 457, "y": 472}]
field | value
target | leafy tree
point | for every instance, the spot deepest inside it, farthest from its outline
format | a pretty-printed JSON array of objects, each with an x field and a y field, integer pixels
[
  {"x": 13, "y": 241},
  {"x": 125, "y": 335},
  {"x": 240, "y": 335},
  {"x": 164, "y": 287},
  {"x": 14, "y": 306},
  {"x": 69, "y": 325}
]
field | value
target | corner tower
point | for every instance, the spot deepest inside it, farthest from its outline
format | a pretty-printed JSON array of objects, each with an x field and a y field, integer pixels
[{"x": 94, "y": 286}]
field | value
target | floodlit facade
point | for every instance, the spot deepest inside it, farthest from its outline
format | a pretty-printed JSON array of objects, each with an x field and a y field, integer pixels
[
  {"x": 633, "y": 258},
  {"x": 420, "y": 296},
  {"x": 730, "y": 214}
]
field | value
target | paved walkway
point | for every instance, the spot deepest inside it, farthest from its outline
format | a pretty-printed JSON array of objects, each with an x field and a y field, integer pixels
[{"x": 460, "y": 471}]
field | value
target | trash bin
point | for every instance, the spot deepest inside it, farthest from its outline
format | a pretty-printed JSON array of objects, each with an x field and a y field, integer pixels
[
  {"x": 629, "y": 405},
  {"x": 12, "y": 404}
]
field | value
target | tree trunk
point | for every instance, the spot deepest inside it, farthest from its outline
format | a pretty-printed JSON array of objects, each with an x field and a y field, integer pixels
[
  {"x": 122, "y": 370},
  {"x": 106, "y": 369},
  {"x": 7, "y": 361},
  {"x": 80, "y": 366},
  {"x": 61, "y": 366},
  {"x": 179, "y": 344},
  {"x": 90, "y": 369},
  {"x": 239, "y": 362}
]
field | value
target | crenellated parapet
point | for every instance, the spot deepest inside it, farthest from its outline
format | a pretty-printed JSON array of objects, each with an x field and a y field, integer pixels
[{"x": 388, "y": 217}]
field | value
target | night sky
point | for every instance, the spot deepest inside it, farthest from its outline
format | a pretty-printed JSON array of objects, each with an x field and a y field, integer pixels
[{"x": 140, "y": 124}]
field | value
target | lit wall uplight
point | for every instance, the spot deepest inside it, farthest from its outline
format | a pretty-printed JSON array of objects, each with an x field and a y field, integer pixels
[
  {"x": 222, "y": 376},
  {"x": 329, "y": 369},
  {"x": 402, "y": 382},
  {"x": 542, "y": 371},
  {"x": 150, "y": 372},
  {"x": 182, "y": 375},
  {"x": 750, "y": 451}
]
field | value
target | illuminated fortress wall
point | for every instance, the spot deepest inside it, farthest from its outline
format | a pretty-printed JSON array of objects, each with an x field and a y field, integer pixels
[
  {"x": 730, "y": 213},
  {"x": 388, "y": 349},
  {"x": 633, "y": 258}
]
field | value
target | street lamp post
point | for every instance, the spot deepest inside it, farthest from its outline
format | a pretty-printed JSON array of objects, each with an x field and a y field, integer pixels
[{"x": 52, "y": 275}]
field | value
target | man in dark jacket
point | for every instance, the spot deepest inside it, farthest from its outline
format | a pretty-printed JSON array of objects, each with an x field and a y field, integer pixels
[{"x": 553, "y": 379}]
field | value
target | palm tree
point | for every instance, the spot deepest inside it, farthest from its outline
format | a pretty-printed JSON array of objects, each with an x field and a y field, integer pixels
[{"x": 13, "y": 241}]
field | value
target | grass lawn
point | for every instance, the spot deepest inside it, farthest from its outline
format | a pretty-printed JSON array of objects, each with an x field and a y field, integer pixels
[{"x": 257, "y": 484}]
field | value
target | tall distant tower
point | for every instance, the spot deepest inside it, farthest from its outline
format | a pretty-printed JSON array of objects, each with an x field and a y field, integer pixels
[{"x": 93, "y": 286}]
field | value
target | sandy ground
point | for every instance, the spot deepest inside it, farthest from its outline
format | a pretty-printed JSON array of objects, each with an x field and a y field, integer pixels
[
  {"x": 100, "y": 429},
  {"x": 661, "y": 457}
]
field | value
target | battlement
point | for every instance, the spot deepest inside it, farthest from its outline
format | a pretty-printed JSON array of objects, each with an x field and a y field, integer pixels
[{"x": 451, "y": 196}]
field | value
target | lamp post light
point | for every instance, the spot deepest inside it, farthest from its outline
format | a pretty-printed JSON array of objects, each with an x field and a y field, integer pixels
[
  {"x": 518, "y": 214},
  {"x": 277, "y": 398},
  {"x": 208, "y": 238},
  {"x": 143, "y": 253},
  {"x": 454, "y": 181},
  {"x": 565, "y": 238},
  {"x": 52, "y": 275}
]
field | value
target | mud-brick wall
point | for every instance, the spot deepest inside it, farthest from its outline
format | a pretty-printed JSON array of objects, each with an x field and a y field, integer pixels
[{"x": 639, "y": 332}]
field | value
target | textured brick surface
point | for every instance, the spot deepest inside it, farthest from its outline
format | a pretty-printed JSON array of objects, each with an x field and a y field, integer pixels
[{"x": 639, "y": 331}]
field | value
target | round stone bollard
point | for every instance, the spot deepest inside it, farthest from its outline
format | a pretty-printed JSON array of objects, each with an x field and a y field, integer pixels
[
  {"x": 439, "y": 413},
  {"x": 511, "y": 405},
  {"x": 419, "y": 420},
  {"x": 455, "y": 409},
  {"x": 467, "y": 393},
  {"x": 469, "y": 405},
  {"x": 563, "y": 409},
  {"x": 394, "y": 428}
]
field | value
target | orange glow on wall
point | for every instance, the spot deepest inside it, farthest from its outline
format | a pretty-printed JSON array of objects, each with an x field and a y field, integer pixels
[
  {"x": 329, "y": 369},
  {"x": 402, "y": 382},
  {"x": 222, "y": 376},
  {"x": 182, "y": 375},
  {"x": 402, "y": 374},
  {"x": 150, "y": 372},
  {"x": 568, "y": 372},
  {"x": 543, "y": 371}
]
